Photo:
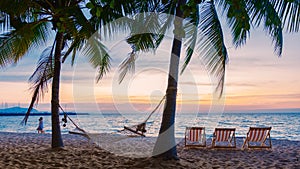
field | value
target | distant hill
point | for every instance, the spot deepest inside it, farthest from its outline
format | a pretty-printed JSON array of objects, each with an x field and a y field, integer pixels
[{"x": 20, "y": 110}]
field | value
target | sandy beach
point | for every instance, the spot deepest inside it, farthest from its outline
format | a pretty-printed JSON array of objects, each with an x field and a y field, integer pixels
[{"x": 29, "y": 150}]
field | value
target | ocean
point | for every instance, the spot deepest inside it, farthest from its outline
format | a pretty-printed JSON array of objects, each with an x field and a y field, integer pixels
[{"x": 285, "y": 126}]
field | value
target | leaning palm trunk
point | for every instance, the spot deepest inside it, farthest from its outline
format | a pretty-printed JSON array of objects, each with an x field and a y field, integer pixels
[
  {"x": 165, "y": 146},
  {"x": 56, "y": 134}
]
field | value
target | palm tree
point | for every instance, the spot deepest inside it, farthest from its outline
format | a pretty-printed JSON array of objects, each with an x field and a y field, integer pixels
[
  {"x": 33, "y": 21},
  {"x": 202, "y": 31}
]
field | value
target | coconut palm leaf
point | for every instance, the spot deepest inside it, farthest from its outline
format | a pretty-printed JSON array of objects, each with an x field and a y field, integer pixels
[
  {"x": 289, "y": 11},
  {"x": 211, "y": 45},
  {"x": 139, "y": 42},
  {"x": 98, "y": 56},
  {"x": 17, "y": 7},
  {"x": 191, "y": 33},
  {"x": 112, "y": 18},
  {"x": 144, "y": 35},
  {"x": 144, "y": 30},
  {"x": 40, "y": 79},
  {"x": 105, "y": 17},
  {"x": 148, "y": 6},
  {"x": 103, "y": 13},
  {"x": 237, "y": 19},
  {"x": 166, "y": 20},
  {"x": 263, "y": 10},
  {"x": 127, "y": 65},
  {"x": 15, "y": 45},
  {"x": 83, "y": 29}
]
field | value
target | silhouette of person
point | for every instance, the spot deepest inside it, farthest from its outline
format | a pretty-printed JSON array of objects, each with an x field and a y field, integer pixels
[{"x": 41, "y": 126}]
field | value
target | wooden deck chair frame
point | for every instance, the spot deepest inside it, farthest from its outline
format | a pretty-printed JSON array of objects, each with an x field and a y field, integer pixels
[
  {"x": 259, "y": 139},
  {"x": 195, "y": 135},
  {"x": 231, "y": 138}
]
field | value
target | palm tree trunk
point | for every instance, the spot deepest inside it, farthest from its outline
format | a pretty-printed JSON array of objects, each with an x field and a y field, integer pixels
[
  {"x": 165, "y": 145},
  {"x": 56, "y": 133}
]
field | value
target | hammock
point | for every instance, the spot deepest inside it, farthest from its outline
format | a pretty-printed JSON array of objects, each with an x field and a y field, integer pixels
[
  {"x": 81, "y": 131},
  {"x": 140, "y": 129}
]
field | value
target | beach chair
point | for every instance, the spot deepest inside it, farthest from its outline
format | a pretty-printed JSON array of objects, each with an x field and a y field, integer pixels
[
  {"x": 224, "y": 138},
  {"x": 257, "y": 138},
  {"x": 195, "y": 137}
]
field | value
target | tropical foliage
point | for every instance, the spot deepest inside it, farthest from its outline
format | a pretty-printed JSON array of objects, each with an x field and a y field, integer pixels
[
  {"x": 201, "y": 30},
  {"x": 34, "y": 22}
]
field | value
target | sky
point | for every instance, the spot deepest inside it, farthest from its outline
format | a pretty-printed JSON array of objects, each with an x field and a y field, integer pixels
[{"x": 256, "y": 79}]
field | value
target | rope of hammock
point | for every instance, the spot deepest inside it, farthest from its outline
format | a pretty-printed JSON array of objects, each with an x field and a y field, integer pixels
[
  {"x": 66, "y": 116},
  {"x": 84, "y": 133},
  {"x": 155, "y": 109},
  {"x": 139, "y": 129}
]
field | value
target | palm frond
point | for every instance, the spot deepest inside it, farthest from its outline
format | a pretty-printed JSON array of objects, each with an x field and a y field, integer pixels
[
  {"x": 40, "y": 79},
  {"x": 106, "y": 16},
  {"x": 127, "y": 65},
  {"x": 112, "y": 18},
  {"x": 19, "y": 41},
  {"x": 144, "y": 30},
  {"x": 76, "y": 44},
  {"x": 144, "y": 37},
  {"x": 238, "y": 20},
  {"x": 147, "y": 31},
  {"x": 191, "y": 34},
  {"x": 190, "y": 47},
  {"x": 166, "y": 20},
  {"x": 16, "y": 7},
  {"x": 83, "y": 31},
  {"x": 211, "y": 45},
  {"x": 168, "y": 7},
  {"x": 289, "y": 12},
  {"x": 263, "y": 10},
  {"x": 98, "y": 55},
  {"x": 142, "y": 42},
  {"x": 147, "y": 6}
]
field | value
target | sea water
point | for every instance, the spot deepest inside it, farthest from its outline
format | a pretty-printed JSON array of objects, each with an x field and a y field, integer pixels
[{"x": 284, "y": 125}]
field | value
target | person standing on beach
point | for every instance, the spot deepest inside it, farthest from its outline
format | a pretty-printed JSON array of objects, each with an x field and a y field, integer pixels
[{"x": 41, "y": 126}]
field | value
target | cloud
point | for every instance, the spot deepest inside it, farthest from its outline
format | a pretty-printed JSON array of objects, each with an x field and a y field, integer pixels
[
  {"x": 266, "y": 96},
  {"x": 14, "y": 78},
  {"x": 254, "y": 76},
  {"x": 195, "y": 83}
]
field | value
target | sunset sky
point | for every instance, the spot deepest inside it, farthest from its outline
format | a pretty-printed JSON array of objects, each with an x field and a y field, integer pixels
[{"x": 255, "y": 79}]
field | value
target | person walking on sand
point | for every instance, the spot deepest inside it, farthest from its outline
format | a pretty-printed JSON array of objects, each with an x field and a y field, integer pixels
[{"x": 41, "y": 126}]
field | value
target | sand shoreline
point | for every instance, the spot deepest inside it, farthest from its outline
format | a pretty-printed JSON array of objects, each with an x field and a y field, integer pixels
[{"x": 29, "y": 150}]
